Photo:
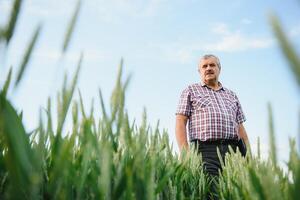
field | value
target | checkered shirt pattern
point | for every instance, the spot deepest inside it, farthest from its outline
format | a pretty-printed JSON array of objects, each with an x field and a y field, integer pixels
[{"x": 211, "y": 114}]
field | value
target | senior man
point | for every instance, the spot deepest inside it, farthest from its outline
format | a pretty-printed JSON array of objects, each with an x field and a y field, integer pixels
[{"x": 214, "y": 116}]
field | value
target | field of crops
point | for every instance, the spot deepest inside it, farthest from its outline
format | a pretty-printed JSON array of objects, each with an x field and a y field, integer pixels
[{"x": 111, "y": 157}]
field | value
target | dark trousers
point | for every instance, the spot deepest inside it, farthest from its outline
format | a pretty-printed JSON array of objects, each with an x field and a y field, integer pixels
[{"x": 211, "y": 161}]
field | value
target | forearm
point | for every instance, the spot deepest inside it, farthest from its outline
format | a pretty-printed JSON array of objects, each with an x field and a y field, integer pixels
[
  {"x": 181, "y": 135},
  {"x": 243, "y": 134},
  {"x": 181, "y": 139}
]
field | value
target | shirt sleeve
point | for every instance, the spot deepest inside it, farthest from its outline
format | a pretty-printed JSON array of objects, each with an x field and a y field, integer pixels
[
  {"x": 184, "y": 105},
  {"x": 240, "y": 117}
]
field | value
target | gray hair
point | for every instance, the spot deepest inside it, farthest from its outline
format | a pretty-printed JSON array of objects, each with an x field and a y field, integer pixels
[{"x": 207, "y": 56}]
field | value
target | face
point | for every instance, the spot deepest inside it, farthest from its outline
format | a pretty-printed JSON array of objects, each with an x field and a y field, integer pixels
[{"x": 209, "y": 70}]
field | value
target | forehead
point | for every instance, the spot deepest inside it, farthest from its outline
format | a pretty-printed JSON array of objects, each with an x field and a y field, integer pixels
[{"x": 209, "y": 60}]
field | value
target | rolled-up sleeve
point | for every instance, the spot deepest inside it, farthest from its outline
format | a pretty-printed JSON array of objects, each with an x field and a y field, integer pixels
[{"x": 184, "y": 104}]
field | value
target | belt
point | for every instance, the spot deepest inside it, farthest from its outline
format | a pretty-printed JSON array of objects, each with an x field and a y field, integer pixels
[{"x": 216, "y": 142}]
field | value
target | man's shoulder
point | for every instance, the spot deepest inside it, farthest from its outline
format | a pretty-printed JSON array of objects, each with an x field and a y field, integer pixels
[
  {"x": 230, "y": 92},
  {"x": 194, "y": 89}
]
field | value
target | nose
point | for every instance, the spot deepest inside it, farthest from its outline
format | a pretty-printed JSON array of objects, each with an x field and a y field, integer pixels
[{"x": 209, "y": 66}]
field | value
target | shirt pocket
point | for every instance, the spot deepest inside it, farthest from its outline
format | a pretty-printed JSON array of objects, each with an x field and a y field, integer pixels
[
  {"x": 231, "y": 104},
  {"x": 202, "y": 102}
]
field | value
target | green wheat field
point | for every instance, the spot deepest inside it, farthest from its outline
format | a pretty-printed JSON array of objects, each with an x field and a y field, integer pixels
[{"x": 111, "y": 157}]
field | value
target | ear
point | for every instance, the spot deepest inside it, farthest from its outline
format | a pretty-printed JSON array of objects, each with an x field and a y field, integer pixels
[{"x": 199, "y": 67}]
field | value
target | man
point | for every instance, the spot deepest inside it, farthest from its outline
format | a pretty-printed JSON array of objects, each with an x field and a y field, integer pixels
[{"x": 214, "y": 116}]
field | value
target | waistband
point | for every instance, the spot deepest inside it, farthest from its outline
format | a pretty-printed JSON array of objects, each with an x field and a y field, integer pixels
[{"x": 215, "y": 142}]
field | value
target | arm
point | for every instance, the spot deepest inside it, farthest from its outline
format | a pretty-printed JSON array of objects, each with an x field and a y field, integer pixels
[
  {"x": 180, "y": 131},
  {"x": 240, "y": 119},
  {"x": 243, "y": 134}
]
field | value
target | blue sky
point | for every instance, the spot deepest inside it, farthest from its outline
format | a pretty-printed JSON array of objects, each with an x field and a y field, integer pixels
[{"x": 161, "y": 42}]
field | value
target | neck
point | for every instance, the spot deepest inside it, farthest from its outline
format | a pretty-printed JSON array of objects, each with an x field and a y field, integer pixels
[{"x": 213, "y": 85}]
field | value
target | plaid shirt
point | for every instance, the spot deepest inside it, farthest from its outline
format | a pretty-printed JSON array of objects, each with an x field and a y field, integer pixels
[{"x": 211, "y": 114}]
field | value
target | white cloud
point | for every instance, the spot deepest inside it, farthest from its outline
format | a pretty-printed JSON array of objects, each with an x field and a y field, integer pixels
[
  {"x": 225, "y": 40},
  {"x": 221, "y": 28},
  {"x": 232, "y": 41},
  {"x": 54, "y": 8},
  {"x": 186, "y": 50},
  {"x": 104, "y": 10},
  {"x": 48, "y": 54},
  {"x": 90, "y": 55},
  {"x": 178, "y": 52},
  {"x": 115, "y": 10},
  {"x": 238, "y": 42}
]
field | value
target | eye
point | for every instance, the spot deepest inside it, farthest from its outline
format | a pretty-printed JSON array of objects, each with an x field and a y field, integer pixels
[
  {"x": 204, "y": 66},
  {"x": 212, "y": 65}
]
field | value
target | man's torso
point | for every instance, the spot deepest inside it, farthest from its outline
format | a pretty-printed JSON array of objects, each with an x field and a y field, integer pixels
[{"x": 213, "y": 114}]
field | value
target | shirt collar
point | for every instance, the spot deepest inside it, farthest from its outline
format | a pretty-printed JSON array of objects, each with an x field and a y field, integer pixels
[{"x": 220, "y": 84}]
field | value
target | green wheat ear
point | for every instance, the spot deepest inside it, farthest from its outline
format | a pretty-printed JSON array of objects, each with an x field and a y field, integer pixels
[
  {"x": 273, "y": 153},
  {"x": 286, "y": 47},
  {"x": 71, "y": 27},
  {"x": 258, "y": 148},
  {"x": 7, "y": 32},
  {"x": 27, "y": 55},
  {"x": 7, "y": 83},
  {"x": 64, "y": 100}
]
